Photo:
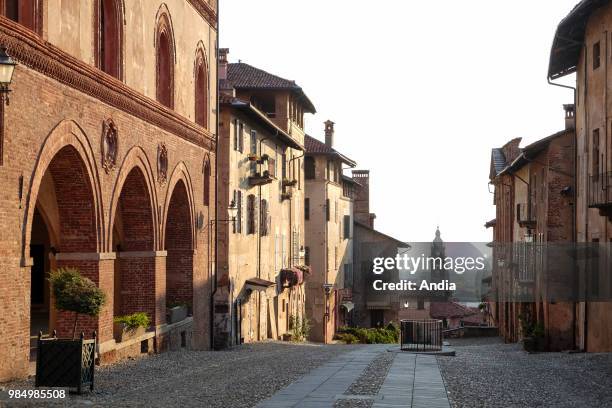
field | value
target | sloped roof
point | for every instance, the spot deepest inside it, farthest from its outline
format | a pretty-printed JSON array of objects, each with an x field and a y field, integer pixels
[
  {"x": 245, "y": 76},
  {"x": 530, "y": 151},
  {"x": 260, "y": 117},
  {"x": 315, "y": 146},
  {"x": 569, "y": 38},
  {"x": 446, "y": 310},
  {"x": 400, "y": 244}
]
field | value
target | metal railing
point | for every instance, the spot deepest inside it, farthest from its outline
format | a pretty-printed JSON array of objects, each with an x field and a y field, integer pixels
[
  {"x": 421, "y": 335},
  {"x": 600, "y": 190}
]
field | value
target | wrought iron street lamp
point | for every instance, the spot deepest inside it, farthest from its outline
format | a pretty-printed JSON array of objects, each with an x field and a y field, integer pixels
[{"x": 7, "y": 67}]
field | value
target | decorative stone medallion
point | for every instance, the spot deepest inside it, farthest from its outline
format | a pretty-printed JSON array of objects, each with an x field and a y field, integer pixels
[
  {"x": 162, "y": 163},
  {"x": 110, "y": 145}
]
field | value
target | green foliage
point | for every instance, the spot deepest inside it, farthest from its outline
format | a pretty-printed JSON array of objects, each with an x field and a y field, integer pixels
[
  {"x": 300, "y": 328},
  {"x": 387, "y": 335},
  {"x": 75, "y": 293},
  {"x": 348, "y": 338},
  {"x": 531, "y": 328},
  {"x": 134, "y": 321}
]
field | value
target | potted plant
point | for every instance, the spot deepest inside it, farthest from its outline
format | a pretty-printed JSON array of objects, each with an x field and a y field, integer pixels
[
  {"x": 131, "y": 326},
  {"x": 70, "y": 362},
  {"x": 289, "y": 182},
  {"x": 176, "y": 311},
  {"x": 252, "y": 157}
]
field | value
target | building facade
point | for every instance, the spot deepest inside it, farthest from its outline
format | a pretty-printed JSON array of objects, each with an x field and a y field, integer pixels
[
  {"x": 106, "y": 164},
  {"x": 261, "y": 273},
  {"x": 328, "y": 210},
  {"x": 534, "y": 202},
  {"x": 374, "y": 308},
  {"x": 581, "y": 46}
]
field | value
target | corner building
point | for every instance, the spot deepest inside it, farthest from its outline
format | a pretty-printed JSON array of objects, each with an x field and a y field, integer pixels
[
  {"x": 107, "y": 157},
  {"x": 262, "y": 273}
]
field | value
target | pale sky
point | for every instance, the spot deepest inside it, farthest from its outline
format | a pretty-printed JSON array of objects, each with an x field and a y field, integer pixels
[{"x": 420, "y": 92}]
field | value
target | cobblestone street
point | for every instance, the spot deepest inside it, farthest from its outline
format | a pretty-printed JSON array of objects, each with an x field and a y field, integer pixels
[{"x": 489, "y": 373}]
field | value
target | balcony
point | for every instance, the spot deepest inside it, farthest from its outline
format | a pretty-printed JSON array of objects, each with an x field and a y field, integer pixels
[
  {"x": 600, "y": 193},
  {"x": 525, "y": 215},
  {"x": 260, "y": 179}
]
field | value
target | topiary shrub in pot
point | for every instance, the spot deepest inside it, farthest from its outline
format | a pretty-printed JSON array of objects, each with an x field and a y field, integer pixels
[
  {"x": 70, "y": 362},
  {"x": 131, "y": 326}
]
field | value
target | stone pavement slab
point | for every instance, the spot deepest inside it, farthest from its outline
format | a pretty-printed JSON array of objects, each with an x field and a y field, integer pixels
[{"x": 412, "y": 381}]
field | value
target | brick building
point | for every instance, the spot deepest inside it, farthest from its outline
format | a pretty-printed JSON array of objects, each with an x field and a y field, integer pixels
[
  {"x": 261, "y": 252},
  {"x": 534, "y": 212},
  {"x": 329, "y": 233},
  {"x": 107, "y": 156},
  {"x": 374, "y": 308},
  {"x": 581, "y": 46}
]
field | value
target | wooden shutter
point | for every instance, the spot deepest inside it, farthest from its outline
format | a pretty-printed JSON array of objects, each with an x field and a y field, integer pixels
[
  {"x": 251, "y": 214},
  {"x": 307, "y": 208},
  {"x": 347, "y": 226},
  {"x": 327, "y": 210}
]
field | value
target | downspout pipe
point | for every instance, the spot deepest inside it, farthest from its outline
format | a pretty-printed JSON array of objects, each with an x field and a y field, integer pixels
[
  {"x": 574, "y": 211},
  {"x": 216, "y": 213}
]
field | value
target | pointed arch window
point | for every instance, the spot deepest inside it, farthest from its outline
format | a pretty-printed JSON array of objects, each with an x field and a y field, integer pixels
[
  {"x": 109, "y": 37},
  {"x": 164, "y": 48},
  {"x": 201, "y": 90},
  {"x": 25, "y": 12}
]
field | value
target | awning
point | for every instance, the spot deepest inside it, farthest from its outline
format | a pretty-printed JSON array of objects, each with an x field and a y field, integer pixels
[
  {"x": 258, "y": 284},
  {"x": 384, "y": 304}
]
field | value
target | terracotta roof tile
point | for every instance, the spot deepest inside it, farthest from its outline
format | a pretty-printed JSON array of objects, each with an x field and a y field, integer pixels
[{"x": 245, "y": 76}]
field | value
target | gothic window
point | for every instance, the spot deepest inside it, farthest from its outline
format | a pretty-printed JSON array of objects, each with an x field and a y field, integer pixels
[
  {"x": 108, "y": 37},
  {"x": 24, "y": 12},
  {"x": 164, "y": 48},
  {"x": 201, "y": 90}
]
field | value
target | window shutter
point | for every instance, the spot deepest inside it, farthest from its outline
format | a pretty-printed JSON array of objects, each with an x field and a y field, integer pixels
[
  {"x": 241, "y": 138},
  {"x": 347, "y": 226},
  {"x": 239, "y": 218},
  {"x": 307, "y": 255},
  {"x": 251, "y": 214},
  {"x": 236, "y": 134},
  {"x": 263, "y": 222},
  {"x": 272, "y": 167},
  {"x": 307, "y": 208},
  {"x": 327, "y": 209},
  {"x": 235, "y": 223}
]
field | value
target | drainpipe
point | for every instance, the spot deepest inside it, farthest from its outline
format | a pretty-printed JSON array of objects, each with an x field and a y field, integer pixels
[
  {"x": 259, "y": 199},
  {"x": 290, "y": 213},
  {"x": 216, "y": 238},
  {"x": 576, "y": 173}
]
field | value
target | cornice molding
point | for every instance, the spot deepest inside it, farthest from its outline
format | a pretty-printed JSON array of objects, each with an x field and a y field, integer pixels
[
  {"x": 206, "y": 11},
  {"x": 33, "y": 52}
]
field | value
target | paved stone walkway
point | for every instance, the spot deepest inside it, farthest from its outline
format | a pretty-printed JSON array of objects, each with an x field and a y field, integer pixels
[{"x": 413, "y": 381}]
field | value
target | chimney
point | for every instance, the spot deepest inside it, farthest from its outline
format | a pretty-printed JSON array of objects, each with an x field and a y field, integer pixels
[
  {"x": 570, "y": 116},
  {"x": 329, "y": 133},
  {"x": 223, "y": 63}
]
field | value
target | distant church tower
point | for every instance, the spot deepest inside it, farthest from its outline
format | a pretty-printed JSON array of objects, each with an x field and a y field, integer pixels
[{"x": 438, "y": 273}]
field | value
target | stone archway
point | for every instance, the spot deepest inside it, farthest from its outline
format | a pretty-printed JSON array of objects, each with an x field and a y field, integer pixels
[
  {"x": 179, "y": 248},
  {"x": 133, "y": 240},
  {"x": 63, "y": 233}
]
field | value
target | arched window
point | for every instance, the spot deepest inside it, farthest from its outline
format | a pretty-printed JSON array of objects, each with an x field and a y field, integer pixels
[
  {"x": 201, "y": 90},
  {"x": 24, "y": 12},
  {"x": 165, "y": 62},
  {"x": 206, "y": 182},
  {"x": 108, "y": 37}
]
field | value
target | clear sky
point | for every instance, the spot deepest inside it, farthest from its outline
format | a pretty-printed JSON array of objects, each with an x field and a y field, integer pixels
[{"x": 420, "y": 92}]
